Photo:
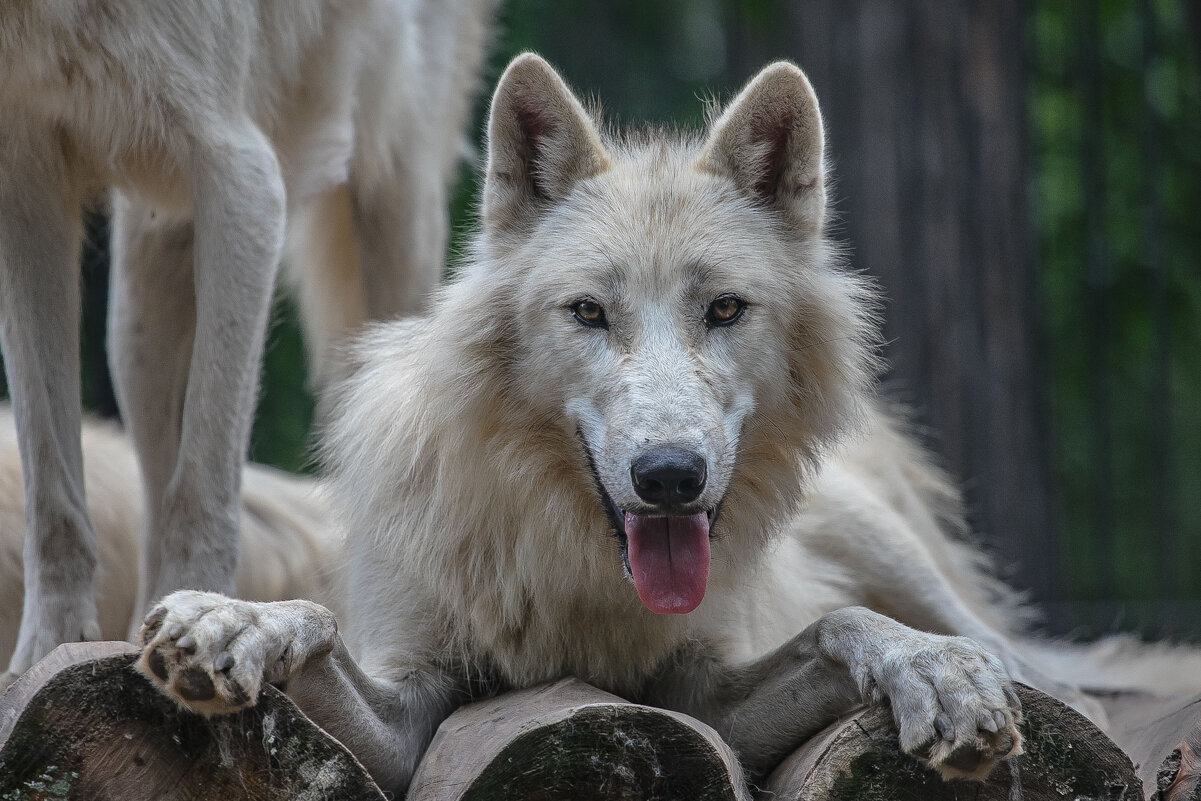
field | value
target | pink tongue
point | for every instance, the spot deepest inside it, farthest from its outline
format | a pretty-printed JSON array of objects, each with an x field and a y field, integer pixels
[{"x": 669, "y": 557}]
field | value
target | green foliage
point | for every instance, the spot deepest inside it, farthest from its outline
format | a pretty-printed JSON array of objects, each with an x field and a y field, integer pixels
[{"x": 284, "y": 416}]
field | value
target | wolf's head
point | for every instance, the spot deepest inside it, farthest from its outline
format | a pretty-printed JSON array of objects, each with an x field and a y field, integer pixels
[{"x": 674, "y": 308}]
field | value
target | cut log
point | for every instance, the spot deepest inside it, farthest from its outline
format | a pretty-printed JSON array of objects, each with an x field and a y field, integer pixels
[
  {"x": 569, "y": 740},
  {"x": 82, "y": 724},
  {"x": 1163, "y": 737},
  {"x": 858, "y": 759}
]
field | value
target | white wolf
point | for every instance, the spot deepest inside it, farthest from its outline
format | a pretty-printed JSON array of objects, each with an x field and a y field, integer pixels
[
  {"x": 215, "y": 121},
  {"x": 619, "y": 448}
]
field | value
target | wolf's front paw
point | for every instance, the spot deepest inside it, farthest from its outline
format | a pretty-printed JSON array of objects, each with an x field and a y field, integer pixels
[
  {"x": 953, "y": 702},
  {"x": 212, "y": 654}
]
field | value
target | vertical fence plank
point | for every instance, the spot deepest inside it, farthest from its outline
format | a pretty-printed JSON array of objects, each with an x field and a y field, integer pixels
[
  {"x": 1159, "y": 405},
  {"x": 1098, "y": 281}
]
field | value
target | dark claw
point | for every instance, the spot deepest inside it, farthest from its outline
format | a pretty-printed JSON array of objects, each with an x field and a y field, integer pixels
[
  {"x": 176, "y": 631},
  {"x": 195, "y": 685},
  {"x": 158, "y": 665},
  {"x": 223, "y": 662},
  {"x": 944, "y": 726},
  {"x": 1012, "y": 697},
  {"x": 186, "y": 644},
  {"x": 152, "y": 623}
]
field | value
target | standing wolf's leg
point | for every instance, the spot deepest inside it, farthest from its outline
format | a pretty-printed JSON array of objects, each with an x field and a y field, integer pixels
[
  {"x": 152, "y": 323},
  {"x": 39, "y": 311},
  {"x": 213, "y": 654},
  {"x": 238, "y": 202},
  {"x": 371, "y": 249},
  {"x": 368, "y": 250},
  {"x": 402, "y": 230},
  {"x": 952, "y": 701},
  {"x": 400, "y": 186}
]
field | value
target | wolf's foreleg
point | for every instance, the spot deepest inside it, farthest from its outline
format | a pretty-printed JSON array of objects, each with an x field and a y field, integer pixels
[
  {"x": 893, "y": 563},
  {"x": 952, "y": 701},
  {"x": 152, "y": 321},
  {"x": 238, "y": 203},
  {"x": 39, "y": 330},
  {"x": 213, "y": 654}
]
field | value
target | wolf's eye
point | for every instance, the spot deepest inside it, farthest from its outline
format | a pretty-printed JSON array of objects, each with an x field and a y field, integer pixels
[
  {"x": 725, "y": 310},
  {"x": 590, "y": 313}
]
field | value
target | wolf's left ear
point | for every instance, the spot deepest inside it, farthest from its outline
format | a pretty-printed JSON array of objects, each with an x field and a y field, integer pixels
[
  {"x": 541, "y": 142},
  {"x": 769, "y": 141}
]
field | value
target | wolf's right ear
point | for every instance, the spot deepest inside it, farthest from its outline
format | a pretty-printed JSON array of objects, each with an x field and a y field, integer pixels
[
  {"x": 770, "y": 142},
  {"x": 540, "y": 143}
]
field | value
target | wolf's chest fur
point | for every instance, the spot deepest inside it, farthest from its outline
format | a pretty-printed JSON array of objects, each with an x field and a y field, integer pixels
[{"x": 534, "y": 612}]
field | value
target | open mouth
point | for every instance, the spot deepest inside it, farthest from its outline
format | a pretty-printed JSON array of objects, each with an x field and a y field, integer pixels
[{"x": 666, "y": 555}]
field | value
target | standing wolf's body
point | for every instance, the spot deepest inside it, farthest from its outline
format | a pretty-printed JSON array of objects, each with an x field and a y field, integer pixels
[
  {"x": 640, "y": 397},
  {"x": 214, "y": 122}
]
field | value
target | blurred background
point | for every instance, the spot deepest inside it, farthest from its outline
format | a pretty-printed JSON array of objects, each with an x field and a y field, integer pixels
[{"x": 1024, "y": 179}]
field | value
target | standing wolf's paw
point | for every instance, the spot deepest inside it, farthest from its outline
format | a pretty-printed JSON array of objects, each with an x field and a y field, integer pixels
[
  {"x": 212, "y": 654},
  {"x": 953, "y": 703}
]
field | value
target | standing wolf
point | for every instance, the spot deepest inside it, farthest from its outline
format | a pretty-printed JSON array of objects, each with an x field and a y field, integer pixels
[
  {"x": 215, "y": 121},
  {"x": 620, "y": 447}
]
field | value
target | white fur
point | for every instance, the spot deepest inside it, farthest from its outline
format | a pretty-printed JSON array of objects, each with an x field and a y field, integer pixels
[
  {"x": 213, "y": 122},
  {"x": 478, "y": 543}
]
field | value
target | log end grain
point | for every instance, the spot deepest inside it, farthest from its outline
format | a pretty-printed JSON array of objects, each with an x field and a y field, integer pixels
[
  {"x": 568, "y": 740},
  {"x": 82, "y": 726}
]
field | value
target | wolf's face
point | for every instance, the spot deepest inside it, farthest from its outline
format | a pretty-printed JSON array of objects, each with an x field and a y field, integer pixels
[
  {"x": 661, "y": 289},
  {"x": 648, "y": 322}
]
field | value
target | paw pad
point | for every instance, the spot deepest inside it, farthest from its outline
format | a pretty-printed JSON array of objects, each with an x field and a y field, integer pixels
[{"x": 195, "y": 685}]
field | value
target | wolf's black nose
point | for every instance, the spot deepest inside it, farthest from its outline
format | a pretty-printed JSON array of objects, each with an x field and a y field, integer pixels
[{"x": 668, "y": 476}]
